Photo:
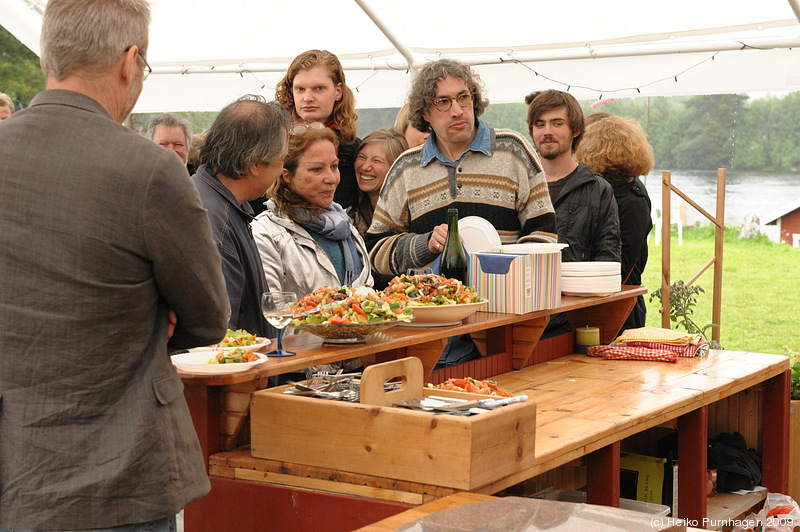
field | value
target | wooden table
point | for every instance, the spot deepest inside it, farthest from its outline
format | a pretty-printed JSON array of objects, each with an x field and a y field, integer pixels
[
  {"x": 585, "y": 407},
  {"x": 585, "y": 413}
]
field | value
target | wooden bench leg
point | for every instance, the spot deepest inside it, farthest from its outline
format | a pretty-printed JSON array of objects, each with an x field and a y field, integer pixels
[
  {"x": 602, "y": 476},
  {"x": 692, "y": 464}
]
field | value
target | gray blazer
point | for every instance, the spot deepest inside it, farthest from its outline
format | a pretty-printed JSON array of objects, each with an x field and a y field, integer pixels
[{"x": 101, "y": 233}]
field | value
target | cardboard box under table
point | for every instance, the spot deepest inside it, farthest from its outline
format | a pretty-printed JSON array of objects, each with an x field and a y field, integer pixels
[
  {"x": 375, "y": 438},
  {"x": 517, "y": 284}
]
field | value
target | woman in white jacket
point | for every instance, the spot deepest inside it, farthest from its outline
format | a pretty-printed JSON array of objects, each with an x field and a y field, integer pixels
[{"x": 305, "y": 239}]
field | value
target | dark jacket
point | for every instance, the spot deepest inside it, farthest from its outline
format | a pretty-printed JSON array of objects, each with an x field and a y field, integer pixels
[
  {"x": 241, "y": 263},
  {"x": 586, "y": 218},
  {"x": 346, "y": 193},
  {"x": 635, "y": 223}
]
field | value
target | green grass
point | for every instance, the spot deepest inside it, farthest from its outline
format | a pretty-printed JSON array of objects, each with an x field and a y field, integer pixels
[{"x": 760, "y": 288}]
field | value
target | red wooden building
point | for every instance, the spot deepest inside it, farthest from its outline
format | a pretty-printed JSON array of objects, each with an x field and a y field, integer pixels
[{"x": 787, "y": 219}]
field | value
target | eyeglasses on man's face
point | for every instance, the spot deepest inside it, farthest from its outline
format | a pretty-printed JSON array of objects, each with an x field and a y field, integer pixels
[
  {"x": 147, "y": 69},
  {"x": 444, "y": 103}
]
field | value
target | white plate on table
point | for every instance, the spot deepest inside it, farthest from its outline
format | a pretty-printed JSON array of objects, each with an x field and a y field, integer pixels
[
  {"x": 262, "y": 342},
  {"x": 198, "y": 363},
  {"x": 477, "y": 234},
  {"x": 442, "y": 315},
  {"x": 589, "y": 266},
  {"x": 590, "y": 286},
  {"x": 588, "y": 273}
]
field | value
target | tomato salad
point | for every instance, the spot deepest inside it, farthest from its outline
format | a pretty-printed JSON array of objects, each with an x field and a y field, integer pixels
[
  {"x": 234, "y": 357},
  {"x": 238, "y": 338},
  {"x": 471, "y": 385},
  {"x": 430, "y": 289},
  {"x": 349, "y": 306}
]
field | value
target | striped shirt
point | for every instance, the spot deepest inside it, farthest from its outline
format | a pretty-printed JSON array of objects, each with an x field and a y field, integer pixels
[{"x": 502, "y": 182}]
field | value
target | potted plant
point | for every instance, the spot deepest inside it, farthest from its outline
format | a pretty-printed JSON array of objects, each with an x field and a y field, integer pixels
[
  {"x": 794, "y": 427},
  {"x": 682, "y": 302}
]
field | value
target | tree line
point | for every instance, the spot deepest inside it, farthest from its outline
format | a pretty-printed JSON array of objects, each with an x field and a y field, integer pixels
[
  {"x": 696, "y": 132},
  {"x": 729, "y": 131}
]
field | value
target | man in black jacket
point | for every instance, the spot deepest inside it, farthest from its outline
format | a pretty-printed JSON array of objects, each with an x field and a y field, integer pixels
[{"x": 586, "y": 213}]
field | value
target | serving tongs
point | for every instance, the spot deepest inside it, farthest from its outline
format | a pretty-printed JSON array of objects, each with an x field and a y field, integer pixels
[
  {"x": 342, "y": 386},
  {"x": 459, "y": 406}
]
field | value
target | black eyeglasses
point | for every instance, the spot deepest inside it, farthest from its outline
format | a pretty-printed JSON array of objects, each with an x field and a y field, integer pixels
[
  {"x": 147, "y": 69},
  {"x": 444, "y": 103}
]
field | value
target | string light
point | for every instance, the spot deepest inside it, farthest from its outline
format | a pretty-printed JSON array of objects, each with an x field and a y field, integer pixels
[
  {"x": 511, "y": 53},
  {"x": 606, "y": 91}
]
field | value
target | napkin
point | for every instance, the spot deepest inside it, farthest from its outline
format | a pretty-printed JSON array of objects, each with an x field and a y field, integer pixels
[
  {"x": 658, "y": 335},
  {"x": 699, "y": 350}
]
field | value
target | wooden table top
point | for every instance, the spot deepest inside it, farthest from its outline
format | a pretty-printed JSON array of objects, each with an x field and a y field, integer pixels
[
  {"x": 311, "y": 351},
  {"x": 585, "y": 403}
]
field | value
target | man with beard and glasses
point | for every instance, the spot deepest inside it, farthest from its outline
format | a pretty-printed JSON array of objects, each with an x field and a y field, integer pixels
[
  {"x": 586, "y": 212},
  {"x": 108, "y": 262},
  {"x": 464, "y": 164}
]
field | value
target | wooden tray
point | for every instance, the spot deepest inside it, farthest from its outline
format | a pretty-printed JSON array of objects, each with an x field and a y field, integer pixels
[{"x": 377, "y": 439}]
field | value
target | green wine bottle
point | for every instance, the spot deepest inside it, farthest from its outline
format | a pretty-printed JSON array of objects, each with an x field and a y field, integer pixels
[{"x": 453, "y": 261}]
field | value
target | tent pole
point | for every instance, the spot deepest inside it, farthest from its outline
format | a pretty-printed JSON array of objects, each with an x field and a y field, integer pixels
[
  {"x": 405, "y": 52},
  {"x": 796, "y": 8}
]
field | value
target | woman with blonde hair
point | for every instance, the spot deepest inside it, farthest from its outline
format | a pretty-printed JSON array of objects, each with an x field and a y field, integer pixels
[
  {"x": 617, "y": 148},
  {"x": 375, "y": 155},
  {"x": 402, "y": 125},
  {"x": 314, "y": 90}
]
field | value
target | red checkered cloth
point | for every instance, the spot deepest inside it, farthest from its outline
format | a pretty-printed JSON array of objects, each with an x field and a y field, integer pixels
[
  {"x": 699, "y": 350},
  {"x": 619, "y": 352}
]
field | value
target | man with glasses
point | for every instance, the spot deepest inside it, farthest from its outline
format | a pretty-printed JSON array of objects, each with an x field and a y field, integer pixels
[
  {"x": 108, "y": 263},
  {"x": 464, "y": 163}
]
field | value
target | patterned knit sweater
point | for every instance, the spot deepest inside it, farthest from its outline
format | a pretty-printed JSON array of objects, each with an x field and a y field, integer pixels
[{"x": 507, "y": 188}]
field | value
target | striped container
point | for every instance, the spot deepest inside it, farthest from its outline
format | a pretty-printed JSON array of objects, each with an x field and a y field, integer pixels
[{"x": 517, "y": 284}]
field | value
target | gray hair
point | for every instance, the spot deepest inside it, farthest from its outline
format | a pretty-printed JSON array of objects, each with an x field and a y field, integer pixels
[
  {"x": 423, "y": 89},
  {"x": 6, "y": 101},
  {"x": 248, "y": 131},
  {"x": 88, "y": 36},
  {"x": 171, "y": 120}
]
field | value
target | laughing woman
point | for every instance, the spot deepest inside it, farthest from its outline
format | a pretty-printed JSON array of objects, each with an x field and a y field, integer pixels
[
  {"x": 305, "y": 239},
  {"x": 376, "y": 154}
]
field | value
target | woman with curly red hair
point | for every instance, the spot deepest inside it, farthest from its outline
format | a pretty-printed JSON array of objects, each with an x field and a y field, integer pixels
[{"x": 617, "y": 148}]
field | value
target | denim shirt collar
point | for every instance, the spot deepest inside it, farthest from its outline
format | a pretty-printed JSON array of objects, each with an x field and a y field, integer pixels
[{"x": 481, "y": 143}]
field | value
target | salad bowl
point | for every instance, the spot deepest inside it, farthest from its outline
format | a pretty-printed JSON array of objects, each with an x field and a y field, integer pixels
[
  {"x": 346, "y": 333},
  {"x": 442, "y": 315}
]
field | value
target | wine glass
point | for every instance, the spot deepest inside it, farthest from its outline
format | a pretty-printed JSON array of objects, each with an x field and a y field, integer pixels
[{"x": 276, "y": 307}]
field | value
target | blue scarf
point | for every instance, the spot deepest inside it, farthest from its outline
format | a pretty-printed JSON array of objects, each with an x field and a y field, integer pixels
[{"x": 334, "y": 225}]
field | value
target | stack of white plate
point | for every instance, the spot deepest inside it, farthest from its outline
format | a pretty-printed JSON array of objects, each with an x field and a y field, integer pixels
[{"x": 590, "y": 278}]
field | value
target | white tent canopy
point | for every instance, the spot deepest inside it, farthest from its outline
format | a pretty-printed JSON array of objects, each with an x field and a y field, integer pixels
[{"x": 205, "y": 54}]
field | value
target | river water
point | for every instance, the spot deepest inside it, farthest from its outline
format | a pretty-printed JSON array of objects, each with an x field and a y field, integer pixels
[{"x": 746, "y": 192}]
